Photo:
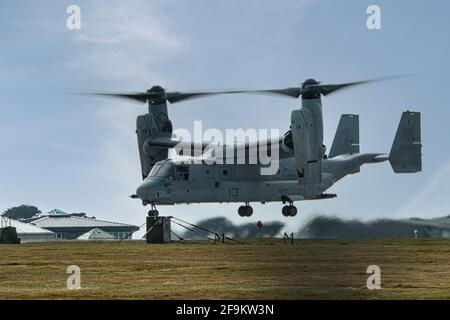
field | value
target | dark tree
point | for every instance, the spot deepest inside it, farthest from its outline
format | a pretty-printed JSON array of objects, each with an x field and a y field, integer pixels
[
  {"x": 21, "y": 212},
  {"x": 248, "y": 230},
  {"x": 325, "y": 227}
]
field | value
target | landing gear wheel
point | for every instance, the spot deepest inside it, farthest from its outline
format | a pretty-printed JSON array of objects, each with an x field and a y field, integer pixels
[
  {"x": 248, "y": 210},
  {"x": 289, "y": 211},
  {"x": 292, "y": 211},
  {"x": 245, "y": 211},
  {"x": 153, "y": 212}
]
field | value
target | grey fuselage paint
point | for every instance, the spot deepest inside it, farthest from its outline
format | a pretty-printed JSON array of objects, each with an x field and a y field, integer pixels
[{"x": 244, "y": 183}]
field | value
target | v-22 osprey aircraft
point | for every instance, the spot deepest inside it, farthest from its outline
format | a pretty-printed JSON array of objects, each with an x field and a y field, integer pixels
[{"x": 305, "y": 170}]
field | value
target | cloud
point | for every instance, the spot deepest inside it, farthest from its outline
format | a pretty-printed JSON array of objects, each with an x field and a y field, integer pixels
[
  {"x": 121, "y": 43},
  {"x": 124, "y": 41},
  {"x": 119, "y": 47}
]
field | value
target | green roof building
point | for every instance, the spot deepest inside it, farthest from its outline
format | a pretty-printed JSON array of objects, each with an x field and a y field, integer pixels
[{"x": 70, "y": 226}]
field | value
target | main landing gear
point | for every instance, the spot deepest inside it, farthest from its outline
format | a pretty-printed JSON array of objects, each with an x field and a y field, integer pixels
[
  {"x": 153, "y": 212},
  {"x": 245, "y": 211},
  {"x": 289, "y": 211}
]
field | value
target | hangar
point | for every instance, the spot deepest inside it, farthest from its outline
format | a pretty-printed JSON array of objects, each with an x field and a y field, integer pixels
[
  {"x": 70, "y": 226},
  {"x": 30, "y": 233}
]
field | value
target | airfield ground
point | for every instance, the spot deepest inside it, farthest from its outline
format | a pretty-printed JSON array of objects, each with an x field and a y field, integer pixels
[{"x": 324, "y": 269}]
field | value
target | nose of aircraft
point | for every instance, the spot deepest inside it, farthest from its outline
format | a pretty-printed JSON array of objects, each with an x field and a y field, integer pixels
[{"x": 143, "y": 190}]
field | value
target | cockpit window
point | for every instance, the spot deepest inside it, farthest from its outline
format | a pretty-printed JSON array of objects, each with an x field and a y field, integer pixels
[
  {"x": 163, "y": 170},
  {"x": 166, "y": 171},
  {"x": 155, "y": 169}
]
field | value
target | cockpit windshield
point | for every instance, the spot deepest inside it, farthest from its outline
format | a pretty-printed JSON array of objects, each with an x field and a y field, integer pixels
[
  {"x": 163, "y": 170},
  {"x": 154, "y": 169}
]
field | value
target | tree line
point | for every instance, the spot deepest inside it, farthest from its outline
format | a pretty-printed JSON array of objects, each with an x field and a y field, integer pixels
[{"x": 23, "y": 211}]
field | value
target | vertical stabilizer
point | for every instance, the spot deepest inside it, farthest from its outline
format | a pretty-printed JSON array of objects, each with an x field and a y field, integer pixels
[
  {"x": 406, "y": 151},
  {"x": 346, "y": 139}
]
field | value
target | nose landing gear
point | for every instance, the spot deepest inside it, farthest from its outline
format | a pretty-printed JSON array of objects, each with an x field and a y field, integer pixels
[
  {"x": 245, "y": 211},
  {"x": 153, "y": 212},
  {"x": 289, "y": 211}
]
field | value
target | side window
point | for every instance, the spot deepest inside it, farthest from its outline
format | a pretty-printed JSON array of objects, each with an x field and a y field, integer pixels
[{"x": 182, "y": 172}]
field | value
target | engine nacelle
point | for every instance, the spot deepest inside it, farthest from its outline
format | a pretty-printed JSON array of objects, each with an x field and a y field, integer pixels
[
  {"x": 308, "y": 148},
  {"x": 148, "y": 126}
]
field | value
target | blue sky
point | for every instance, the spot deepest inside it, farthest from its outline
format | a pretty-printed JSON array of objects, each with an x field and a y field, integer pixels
[{"x": 80, "y": 154}]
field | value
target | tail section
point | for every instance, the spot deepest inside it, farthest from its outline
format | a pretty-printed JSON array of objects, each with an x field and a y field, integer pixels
[
  {"x": 406, "y": 151},
  {"x": 346, "y": 139}
]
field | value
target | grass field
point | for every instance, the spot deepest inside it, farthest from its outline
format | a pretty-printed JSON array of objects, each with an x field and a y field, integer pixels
[{"x": 323, "y": 269}]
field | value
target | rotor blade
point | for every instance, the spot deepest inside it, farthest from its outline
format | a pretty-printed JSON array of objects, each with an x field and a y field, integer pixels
[
  {"x": 174, "y": 97},
  {"x": 293, "y": 92},
  {"x": 136, "y": 96},
  {"x": 327, "y": 89}
]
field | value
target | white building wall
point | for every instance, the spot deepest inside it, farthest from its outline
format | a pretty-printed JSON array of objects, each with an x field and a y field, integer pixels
[{"x": 35, "y": 237}]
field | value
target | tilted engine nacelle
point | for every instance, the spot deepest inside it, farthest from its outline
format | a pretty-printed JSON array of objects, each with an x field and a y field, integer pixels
[
  {"x": 307, "y": 140},
  {"x": 155, "y": 123},
  {"x": 145, "y": 130}
]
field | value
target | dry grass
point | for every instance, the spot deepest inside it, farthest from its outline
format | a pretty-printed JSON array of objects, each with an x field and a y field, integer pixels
[{"x": 324, "y": 269}]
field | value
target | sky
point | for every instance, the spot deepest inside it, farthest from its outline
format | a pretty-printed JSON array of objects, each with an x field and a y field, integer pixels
[{"x": 78, "y": 153}]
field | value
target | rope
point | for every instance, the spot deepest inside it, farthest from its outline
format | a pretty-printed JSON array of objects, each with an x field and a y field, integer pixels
[
  {"x": 179, "y": 238},
  {"x": 206, "y": 230},
  {"x": 185, "y": 240},
  {"x": 201, "y": 228},
  {"x": 192, "y": 230},
  {"x": 131, "y": 233},
  {"x": 236, "y": 241}
]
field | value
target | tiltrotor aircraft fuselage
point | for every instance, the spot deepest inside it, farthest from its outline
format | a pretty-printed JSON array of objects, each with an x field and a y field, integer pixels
[{"x": 305, "y": 171}]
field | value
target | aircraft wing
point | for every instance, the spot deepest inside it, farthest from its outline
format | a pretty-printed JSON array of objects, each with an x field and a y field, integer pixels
[
  {"x": 166, "y": 142},
  {"x": 239, "y": 150}
]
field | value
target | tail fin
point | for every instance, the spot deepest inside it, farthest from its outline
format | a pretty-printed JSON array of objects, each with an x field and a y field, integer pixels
[
  {"x": 346, "y": 139},
  {"x": 406, "y": 151}
]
